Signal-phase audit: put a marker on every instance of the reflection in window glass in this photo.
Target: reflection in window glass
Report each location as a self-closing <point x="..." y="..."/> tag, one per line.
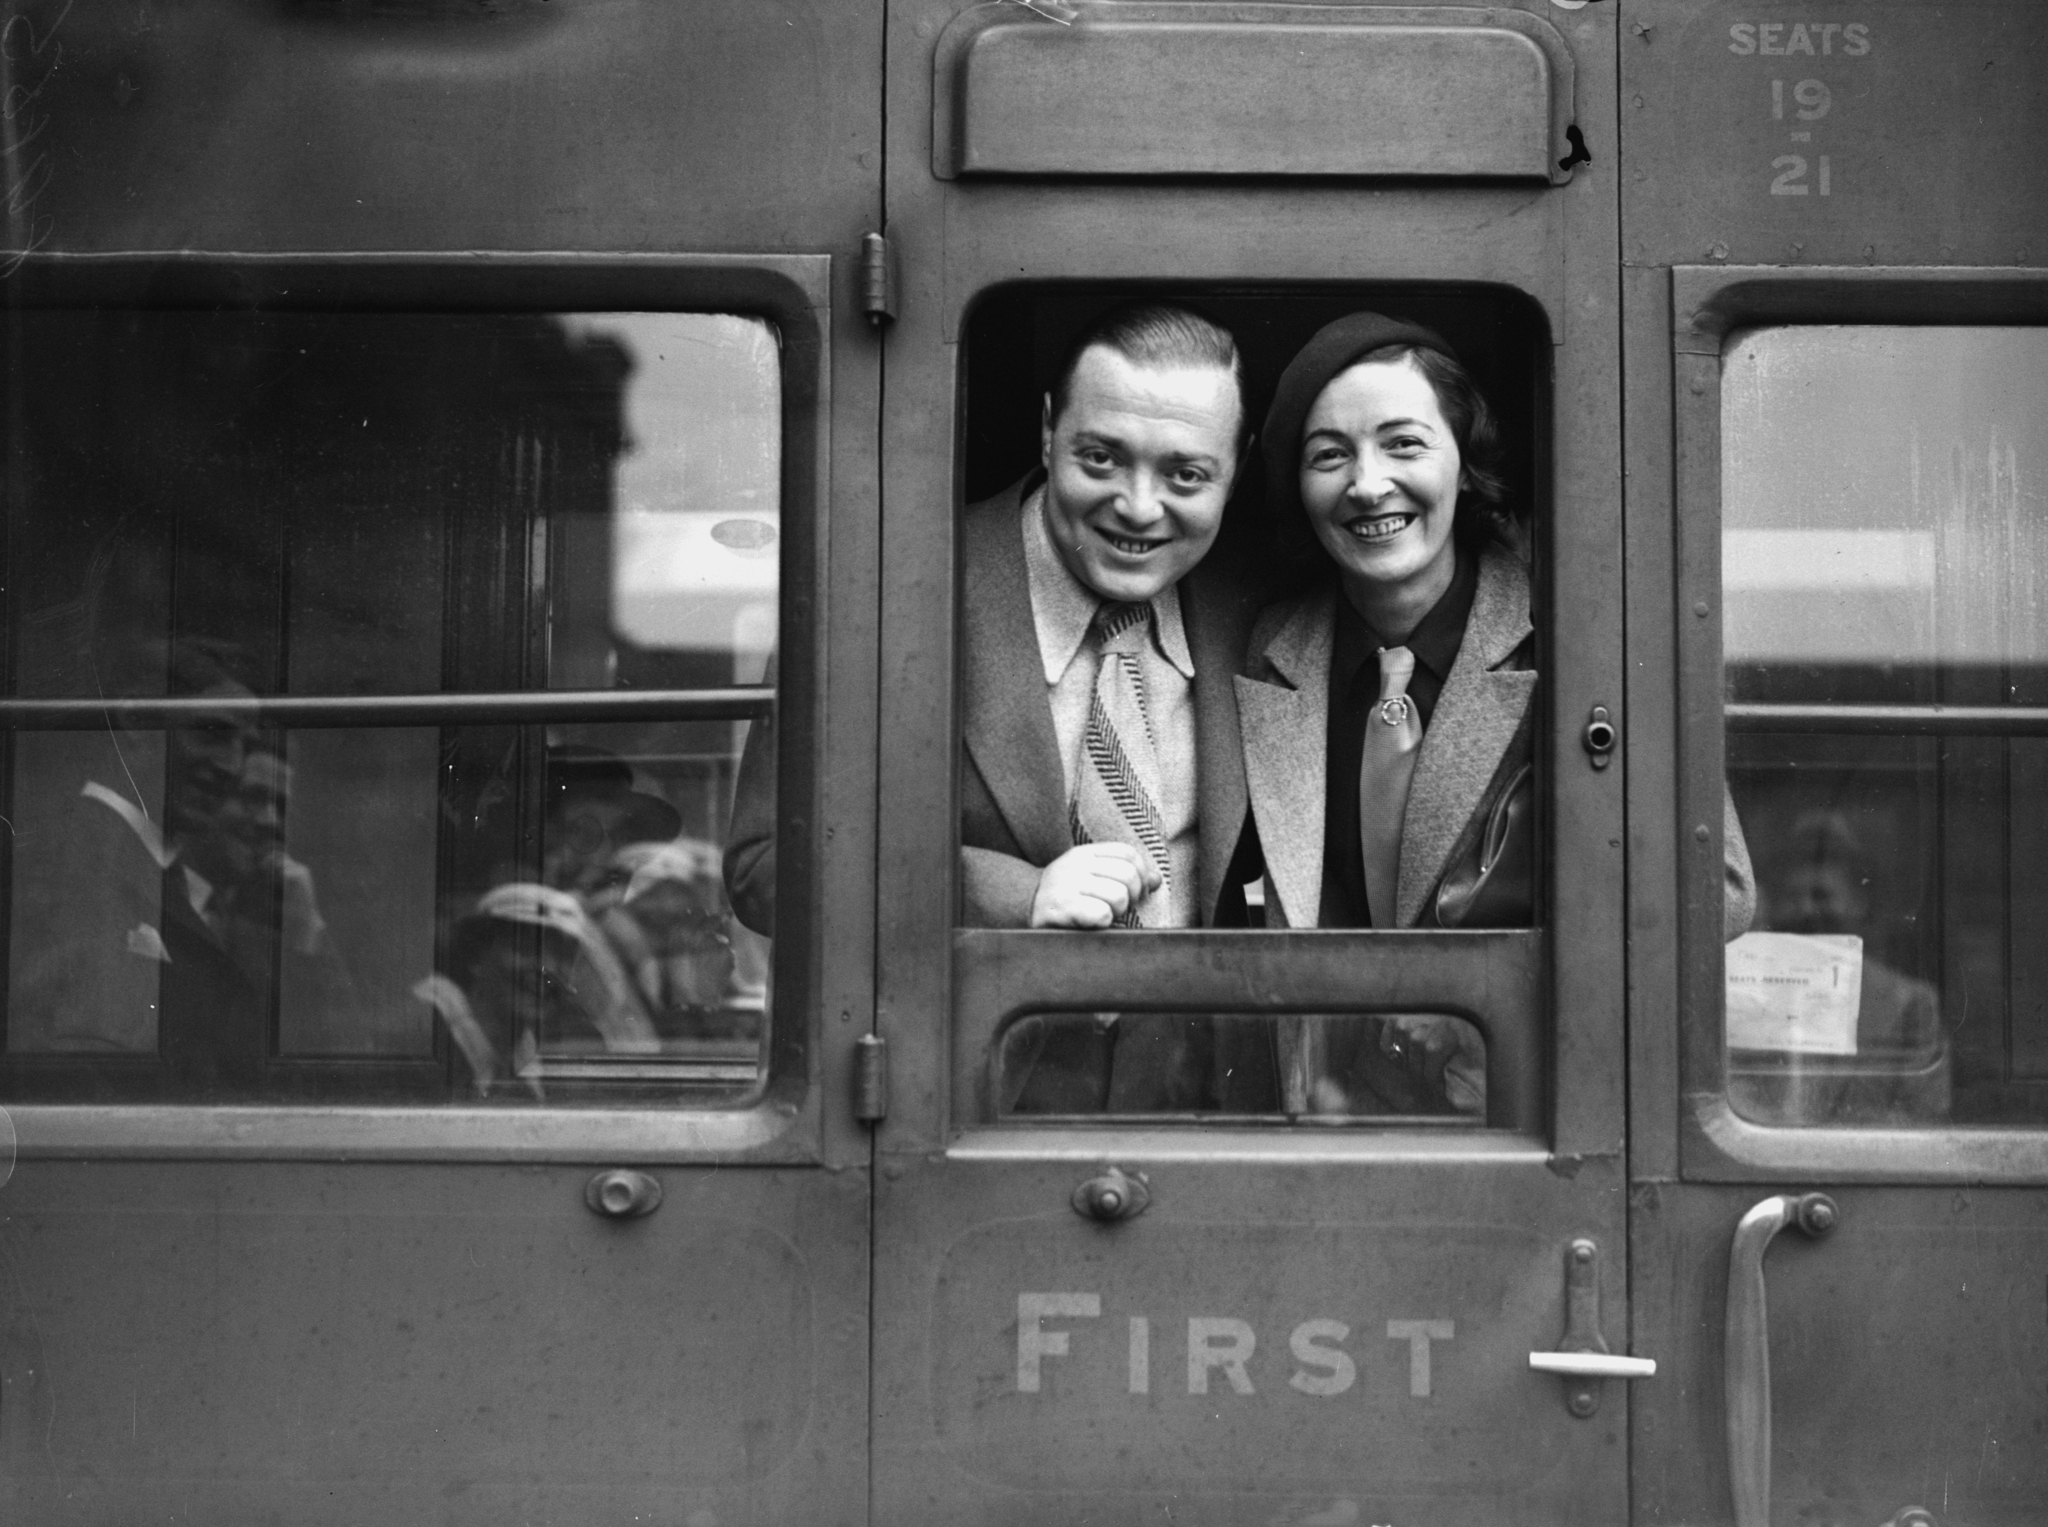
<point x="1331" y="1068"/>
<point x="1885" y="543"/>
<point x="220" y="506"/>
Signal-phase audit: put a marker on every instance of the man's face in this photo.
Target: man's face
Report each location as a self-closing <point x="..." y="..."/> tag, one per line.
<point x="583" y="830"/>
<point x="202" y="809"/>
<point x="1818" y="898"/>
<point x="261" y="802"/>
<point x="1138" y="468"/>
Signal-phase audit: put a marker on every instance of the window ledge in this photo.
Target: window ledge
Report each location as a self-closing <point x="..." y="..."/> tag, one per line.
<point x="772" y="1132"/>
<point x="1724" y="1147"/>
<point x="1307" y="1144"/>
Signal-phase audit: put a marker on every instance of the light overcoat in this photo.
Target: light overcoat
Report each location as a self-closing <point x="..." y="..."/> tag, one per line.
<point x="1284" y="699"/>
<point x="1284" y="702"/>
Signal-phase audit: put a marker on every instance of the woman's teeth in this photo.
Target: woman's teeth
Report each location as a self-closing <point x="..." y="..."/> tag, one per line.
<point x="1133" y="548"/>
<point x="1381" y="528"/>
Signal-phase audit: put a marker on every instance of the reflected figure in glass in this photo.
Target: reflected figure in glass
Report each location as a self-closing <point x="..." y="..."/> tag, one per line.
<point x="167" y="933"/>
<point x="1819" y="882"/>
<point x="1821" y="1028"/>
<point x="622" y="949"/>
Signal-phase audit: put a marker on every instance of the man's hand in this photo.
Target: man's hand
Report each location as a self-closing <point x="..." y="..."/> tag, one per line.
<point x="304" y="928"/>
<point x="1091" y="886"/>
<point x="1444" y="1059"/>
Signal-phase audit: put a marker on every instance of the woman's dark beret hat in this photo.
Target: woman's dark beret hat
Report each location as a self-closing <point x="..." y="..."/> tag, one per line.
<point x="1334" y="350"/>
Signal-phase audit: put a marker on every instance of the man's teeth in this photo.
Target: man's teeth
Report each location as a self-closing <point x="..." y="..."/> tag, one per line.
<point x="1382" y="528"/>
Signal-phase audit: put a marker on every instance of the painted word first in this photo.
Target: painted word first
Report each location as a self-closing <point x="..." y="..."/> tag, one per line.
<point x="1219" y="1348"/>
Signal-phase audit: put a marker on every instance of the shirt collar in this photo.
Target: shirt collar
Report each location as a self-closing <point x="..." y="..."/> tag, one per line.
<point x="1435" y="642"/>
<point x="137" y="819"/>
<point x="1063" y="608"/>
<point x="199" y="890"/>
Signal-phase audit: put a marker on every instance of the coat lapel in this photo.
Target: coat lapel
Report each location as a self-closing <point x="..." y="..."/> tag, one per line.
<point x="1475" y="720"/>
<point x="1283" y="709"/>
<point x="1006" y="721"/>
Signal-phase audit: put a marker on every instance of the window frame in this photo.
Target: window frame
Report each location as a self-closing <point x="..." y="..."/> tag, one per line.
<point x="1709" y="304"/>
<point x="779" y="1121"/>
<point x="997" y="976"/>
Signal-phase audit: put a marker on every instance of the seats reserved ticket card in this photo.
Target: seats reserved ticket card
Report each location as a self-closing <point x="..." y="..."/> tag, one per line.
<point x="1795" y="992"/>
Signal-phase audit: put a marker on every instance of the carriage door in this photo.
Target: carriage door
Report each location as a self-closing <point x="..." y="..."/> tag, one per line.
<point x="1316" y="1299"/>
<point x="405" y="616"/>
<point x="1838" y="379"/>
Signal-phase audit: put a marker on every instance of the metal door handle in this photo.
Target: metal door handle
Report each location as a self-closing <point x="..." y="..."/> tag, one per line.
<point x="1746" y="1346"/>
<point x="1582" y="1357"/>
<point x="1594" y="1365"/>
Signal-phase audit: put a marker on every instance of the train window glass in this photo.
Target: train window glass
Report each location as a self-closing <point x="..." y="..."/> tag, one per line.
<point x="460" y="868"/>
<point x="1055" y="768"/>
<point x="1885" y="577"/>
<point x="1333" y="1068"/>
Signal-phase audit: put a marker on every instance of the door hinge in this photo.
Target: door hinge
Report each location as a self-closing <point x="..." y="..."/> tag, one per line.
<point x="870" y="1078"/>
<point x="877" y="279"/>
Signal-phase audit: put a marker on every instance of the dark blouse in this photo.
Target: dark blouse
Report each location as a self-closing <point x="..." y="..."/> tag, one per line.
<point x="1354" y="689"/>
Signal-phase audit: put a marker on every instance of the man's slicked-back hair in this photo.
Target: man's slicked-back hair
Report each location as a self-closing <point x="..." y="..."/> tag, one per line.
<point x="1161" y="335"/>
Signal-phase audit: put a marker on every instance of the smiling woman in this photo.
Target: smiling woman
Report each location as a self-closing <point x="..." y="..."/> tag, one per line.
<point x="1394" y="705"/>
<point x="1381" y="472"/>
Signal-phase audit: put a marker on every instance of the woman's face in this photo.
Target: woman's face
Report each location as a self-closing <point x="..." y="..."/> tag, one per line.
<point x="1380" y="474"/>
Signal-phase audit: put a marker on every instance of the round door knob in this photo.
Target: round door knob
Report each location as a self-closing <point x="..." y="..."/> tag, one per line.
<point x="622" y="1194"/>
<point x="1113" y="1196"/>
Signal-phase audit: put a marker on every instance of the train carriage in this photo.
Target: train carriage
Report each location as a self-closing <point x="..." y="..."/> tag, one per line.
<point x="454" y="445"/>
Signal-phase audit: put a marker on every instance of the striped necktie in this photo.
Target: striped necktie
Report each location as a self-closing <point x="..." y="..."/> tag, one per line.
<point x="1393" y="734"/>
<point x="1117" y="786"/>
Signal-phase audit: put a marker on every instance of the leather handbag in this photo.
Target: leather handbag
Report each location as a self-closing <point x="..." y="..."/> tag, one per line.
<point x="1491" y="879"/>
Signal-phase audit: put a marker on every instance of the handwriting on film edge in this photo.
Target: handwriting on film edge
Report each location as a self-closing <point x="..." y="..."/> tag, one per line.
<point x="21" y="127"/>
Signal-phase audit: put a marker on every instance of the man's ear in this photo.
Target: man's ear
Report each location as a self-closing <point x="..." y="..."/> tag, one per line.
<point x="1045" y="434"/>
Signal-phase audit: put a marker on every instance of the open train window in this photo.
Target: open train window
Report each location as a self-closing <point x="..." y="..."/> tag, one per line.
<point x="1884" y="566"/>
<point x="378" y="682"/>
<point x="1335" y="1038"/>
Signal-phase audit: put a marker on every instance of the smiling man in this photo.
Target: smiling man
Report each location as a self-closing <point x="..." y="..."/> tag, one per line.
<point x="1102" y="784"/>
<point x="1102" y="781"/>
